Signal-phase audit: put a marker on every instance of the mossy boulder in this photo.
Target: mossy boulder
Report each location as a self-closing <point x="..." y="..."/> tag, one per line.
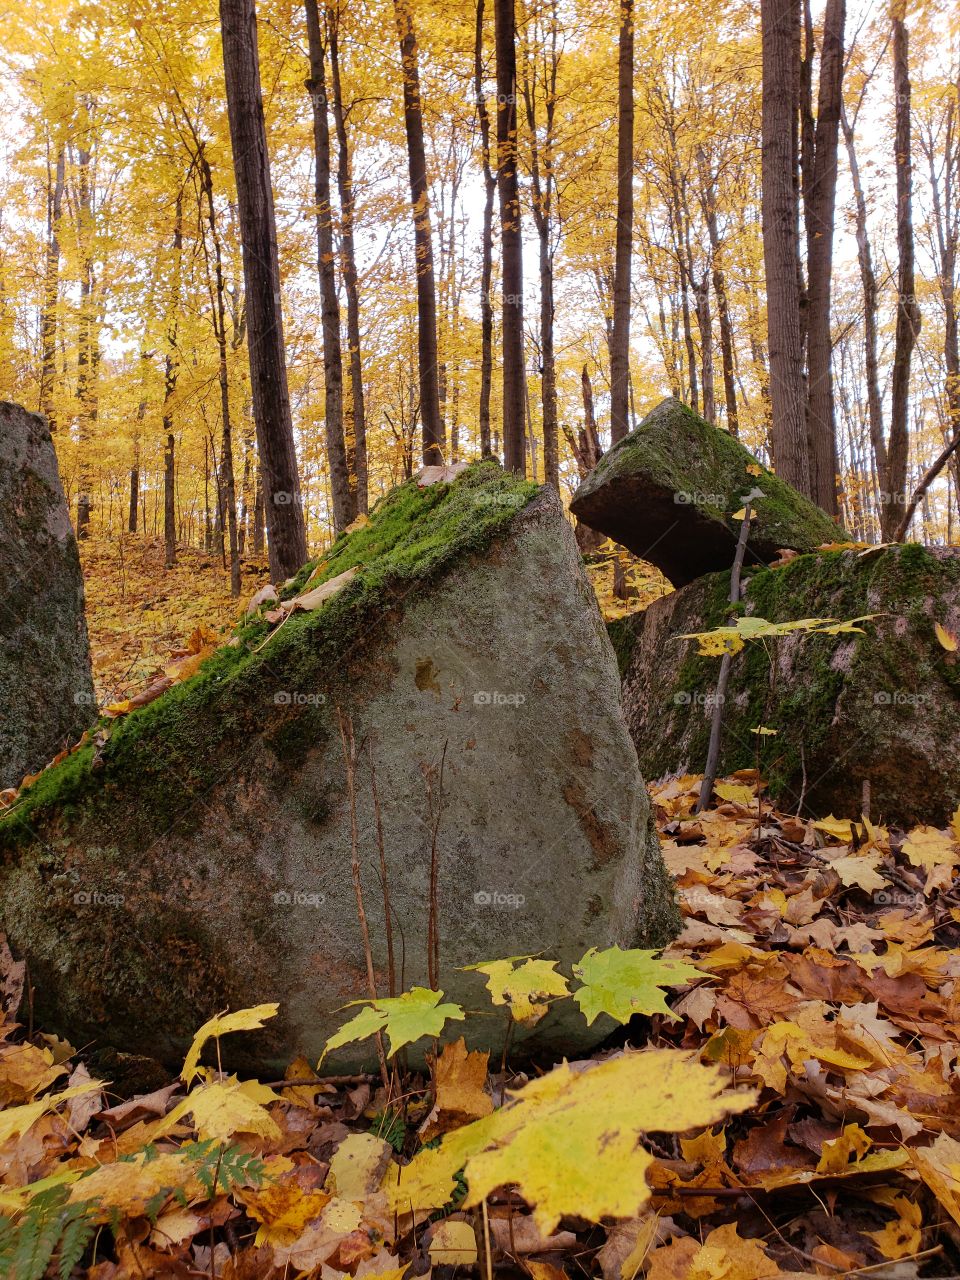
<point x="670" y="490"/>
<point x="202" y="858"/>
<point x="46" y="689"/>
<point x="881" y="707"/>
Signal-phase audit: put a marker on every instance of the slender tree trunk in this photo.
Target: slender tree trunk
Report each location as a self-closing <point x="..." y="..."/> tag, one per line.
<point x="87" y="337"/>
<point x="720" y="292"/>
<point x="356" y="415"/>
<point x="258" y="237"/>
<point x="514" y="454"/>
<point x="868" y="281"/>
<point x="434" y="445"/>
<point x="620" y="340"/>
<point x="780" y="23"/>
<point x="821" y="206"/>
<point x="51" y="290"/>
<point x="228" y="488"/>
<point x="343" y="494"/>
<point x="169" y="505"/>
<point x="705" y="326"/>
<point x="908" y="313"/>
<point x="486" y="243"/>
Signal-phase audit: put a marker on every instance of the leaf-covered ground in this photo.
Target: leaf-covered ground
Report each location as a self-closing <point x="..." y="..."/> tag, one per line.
<point x="794" y="1112"/>
<point x="138" y="612"/>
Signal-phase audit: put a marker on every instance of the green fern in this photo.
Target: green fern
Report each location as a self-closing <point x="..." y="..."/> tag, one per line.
<point x="49" y="1224"/>
<point x="52" y="1226"/>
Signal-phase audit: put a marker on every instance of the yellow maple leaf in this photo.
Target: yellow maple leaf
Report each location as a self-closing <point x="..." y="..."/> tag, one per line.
<point x="223" y="1108"/>
<point x="947" y="639"/>
<point x="454" y="1243"/>
<point x="900" y="1238"/>
<point x="569" y="1140"/>
<point x="524" y="984"/>
<point x="859" y="870"/>
<point x="735" y="792"/>
<point x="242" y="1020"/>
<point x="283" y="1210"/>
<point x="929" y="847"/>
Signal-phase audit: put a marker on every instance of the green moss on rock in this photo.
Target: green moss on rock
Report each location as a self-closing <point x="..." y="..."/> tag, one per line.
<point x="670" y="490"/>
<point x="882" y="706"/>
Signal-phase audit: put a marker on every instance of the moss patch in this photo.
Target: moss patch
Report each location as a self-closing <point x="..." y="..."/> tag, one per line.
<point x="846" y="708"/>
<point x="173" y="747"/>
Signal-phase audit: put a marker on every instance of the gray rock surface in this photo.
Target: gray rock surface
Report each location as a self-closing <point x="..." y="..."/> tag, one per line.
<point x="207" y="862"/>
<point x="881" y="707"/>
<point x="670" y="490"/>
<point x="46" y="690"/>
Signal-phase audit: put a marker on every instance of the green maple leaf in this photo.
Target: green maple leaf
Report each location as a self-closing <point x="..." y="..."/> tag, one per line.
<point x="622" y="983"/>
<point x="405" y="1018"/>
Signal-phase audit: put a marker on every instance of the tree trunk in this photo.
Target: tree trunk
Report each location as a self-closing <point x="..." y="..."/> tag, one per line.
<point x="620" y="339"/>
<point x="868" y="281"/>
<point x="434" y="445"/>
<point x="356" y="415"/>
<point x="258" y="236"/>
<point x="908" y="313"/>
<point x="88" y="344"/>
<point x="709" y="200"/>
<point x="227" y="486"/>
<point x="51" y="289"/>
<point x="820" y="207"/>
<point x="514" y="454"/>
<point x="169" y="505"/>
<point x="342" y="493"/>
<point x="486" y="244"/>
<point x="780" y="24"/>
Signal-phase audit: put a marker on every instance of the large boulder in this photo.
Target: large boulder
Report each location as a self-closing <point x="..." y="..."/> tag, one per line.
<point x="670" y="490"/>
<point x="46" y="689"/>
<point x="201" y="859"/>
<point x="881" y="707"/>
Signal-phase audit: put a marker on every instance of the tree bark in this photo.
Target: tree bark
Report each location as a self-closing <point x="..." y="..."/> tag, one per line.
<point x="434" y="445"/>
<point x="514" y="454"/>
<point x="623" y="253"/>
<point x="169" y="505"/>
<point x="908" y="313"/>
<point x="486" y="243"/>
<point x="868" y="282"/>
<point x="258" y="236"/>
<point x="355" y="416"/>
<point x="227" y="487"/>
<point x="51" y="289"/>
<point x="780" y="25"/>
<point x="820" y="208"/>
<point x="342" y="493"/>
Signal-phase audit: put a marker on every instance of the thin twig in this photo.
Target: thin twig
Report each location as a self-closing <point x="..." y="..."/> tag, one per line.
<point x="387" y="921"/>
<point x="716" y="726"/>
<point x="350" y="761"/>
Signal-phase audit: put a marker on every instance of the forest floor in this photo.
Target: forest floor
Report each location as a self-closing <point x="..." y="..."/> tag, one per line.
<point x="808" y="1015"/>
<point x="138" y="612"/>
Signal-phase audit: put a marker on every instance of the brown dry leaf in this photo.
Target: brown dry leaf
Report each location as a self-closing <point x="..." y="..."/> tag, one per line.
<point x="939" y="1167"/>
<point x="518" y="1234"/>
<point x="440" y="474"/>
<point x="460" y="1077"/>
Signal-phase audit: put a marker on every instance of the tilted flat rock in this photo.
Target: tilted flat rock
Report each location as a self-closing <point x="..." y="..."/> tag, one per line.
<point x="669" y="492"/>
<point x="206" y="862"/>
<point x="882" y="707"/>
<point x="46" y="690"/>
